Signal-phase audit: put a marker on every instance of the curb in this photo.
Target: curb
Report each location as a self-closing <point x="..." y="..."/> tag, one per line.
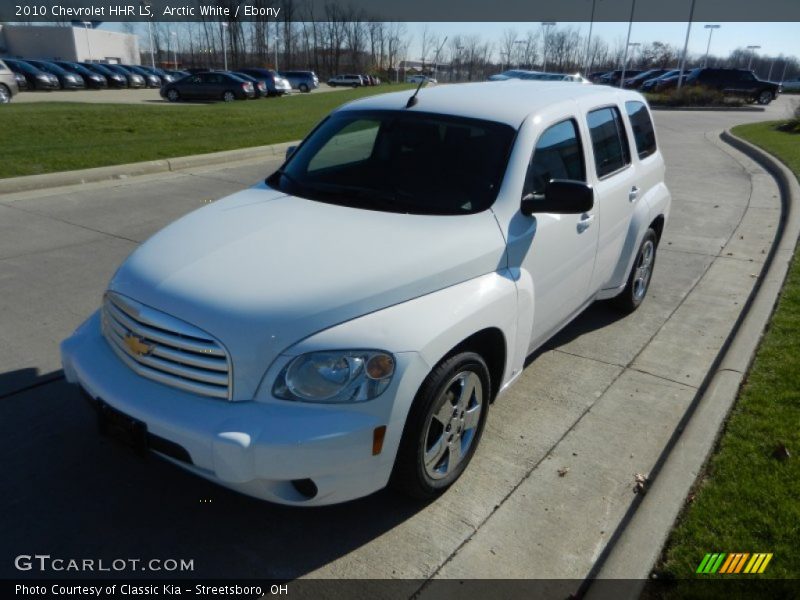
<point x="63" y="178"/>
<point x="638" y="543"/>
<point x="710" y="108"/>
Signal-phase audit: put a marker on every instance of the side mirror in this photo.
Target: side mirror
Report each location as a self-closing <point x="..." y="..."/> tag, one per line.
<point x="289" y="151"/>
<point x="561" y="196"/>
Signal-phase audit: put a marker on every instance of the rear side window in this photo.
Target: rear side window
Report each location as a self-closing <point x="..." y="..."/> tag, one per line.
<point x="558" y="155"/>
<point x="611" y="152"/>
<point x="643" y="132"/>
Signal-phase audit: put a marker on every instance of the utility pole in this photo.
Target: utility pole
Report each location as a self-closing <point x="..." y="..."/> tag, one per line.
<point x="752" y="54"/>
<point x="685" y="47"/>
<point x="224" y="45"/>
<point x="627" y="44"/>
<point x="436" y="56"/>
<point x="587" y="62"/>
<point x="146" y="3"/>
<point x="175" y="49"/>
<point x="711" y="29"/>
<point x="86" y="25"/>
<point x="546" y="25"/>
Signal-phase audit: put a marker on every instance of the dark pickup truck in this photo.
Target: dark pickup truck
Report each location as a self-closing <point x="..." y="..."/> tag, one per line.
<point x="735" y="82"/>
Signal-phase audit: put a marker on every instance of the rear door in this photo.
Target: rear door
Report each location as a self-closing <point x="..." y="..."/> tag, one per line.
<point x="616" y="188"/>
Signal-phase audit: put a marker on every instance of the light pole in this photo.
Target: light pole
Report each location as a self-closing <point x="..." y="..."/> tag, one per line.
<point x="685" y="47"/>
<point x="627" y="44"/>
<point x="175" y="49"/>
<point x="752" y="54"/>
<point x="545" y="25"/>
<point x="771" y="65"/>
<point x="633" y="45"/>
<point x="436" y="56"/>
<point x="519" y="55"/>
<point x="146" y="3"/>
<point x="785" y="66"/>
<point x="711" y="29"/>
<point x="587" y="62"/>
<point x="86" y="25"/>
<point x="458" y="72"/>
<point x="224" y="46"/>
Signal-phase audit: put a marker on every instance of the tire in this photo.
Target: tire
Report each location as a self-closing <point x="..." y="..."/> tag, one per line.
<point x="173" y="95"/>
<point x="304" y="88"/>
<point x="445" y="424"/>
<point x="228" y="96"/>
<point x="640" y="276"/>
<point x="765" y="97"/>
<point x="5" y="94"/>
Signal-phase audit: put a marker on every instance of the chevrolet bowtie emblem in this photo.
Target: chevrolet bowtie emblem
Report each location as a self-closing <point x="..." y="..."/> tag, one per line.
<point x="137" y="345"/>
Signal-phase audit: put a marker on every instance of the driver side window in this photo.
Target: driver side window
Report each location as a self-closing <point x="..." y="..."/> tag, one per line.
<point x="558" y="155"/>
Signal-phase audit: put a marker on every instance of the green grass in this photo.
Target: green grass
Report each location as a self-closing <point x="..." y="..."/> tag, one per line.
<point x="746" y="500"/>
<point x="61" y="136"/>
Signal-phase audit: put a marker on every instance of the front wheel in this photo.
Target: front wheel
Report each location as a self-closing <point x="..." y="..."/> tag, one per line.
<point x="765" y="97"/>
<point x="443" y="427"/>
<point x="228" y="96"/>
<point x="641" y="272"/>
<point x="173" y="95"/>
<point x="5" y="95"/>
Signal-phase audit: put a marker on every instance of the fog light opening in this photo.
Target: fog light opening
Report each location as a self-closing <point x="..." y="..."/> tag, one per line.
<point x="305" y="487"/>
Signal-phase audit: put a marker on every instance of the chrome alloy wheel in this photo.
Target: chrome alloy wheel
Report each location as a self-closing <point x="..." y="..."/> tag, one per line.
<point x="644" y="269"/>
<point x="453" y="423"/>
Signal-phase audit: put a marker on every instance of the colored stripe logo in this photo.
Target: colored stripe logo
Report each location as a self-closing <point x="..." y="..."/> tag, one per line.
<point x="734" y="562"/>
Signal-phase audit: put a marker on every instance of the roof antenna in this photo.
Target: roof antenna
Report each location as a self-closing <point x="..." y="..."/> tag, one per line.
<point x="413" y="100"/>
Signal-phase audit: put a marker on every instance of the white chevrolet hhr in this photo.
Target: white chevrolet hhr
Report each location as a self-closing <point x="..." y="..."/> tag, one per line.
<point x="347" y="323"/>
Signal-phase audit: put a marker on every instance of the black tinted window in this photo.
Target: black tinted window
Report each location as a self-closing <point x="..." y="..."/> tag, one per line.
<point x="610" y="145"/>
<point x="558" y="155"/>
<point x="643" y="132"/>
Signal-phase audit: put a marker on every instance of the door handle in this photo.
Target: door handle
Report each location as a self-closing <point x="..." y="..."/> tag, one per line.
<point x="585" y="222"/>
<point x="633" y="194"/>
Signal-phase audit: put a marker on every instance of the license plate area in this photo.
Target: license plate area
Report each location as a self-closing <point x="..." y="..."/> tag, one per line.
<point x="122" y="428"/>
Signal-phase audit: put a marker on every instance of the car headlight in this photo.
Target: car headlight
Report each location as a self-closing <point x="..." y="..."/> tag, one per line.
<point x="335" y="376"/>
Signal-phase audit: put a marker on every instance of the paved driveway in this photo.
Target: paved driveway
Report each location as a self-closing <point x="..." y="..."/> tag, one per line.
<point x="555" y="471"/>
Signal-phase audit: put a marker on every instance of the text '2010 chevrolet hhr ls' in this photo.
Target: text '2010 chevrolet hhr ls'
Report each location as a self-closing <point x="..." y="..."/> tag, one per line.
<point x="346" y="324"/>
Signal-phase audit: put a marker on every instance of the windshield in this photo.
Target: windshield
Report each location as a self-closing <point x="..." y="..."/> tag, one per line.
<point x="400" y="162"/>
<point x="50" y="67"/>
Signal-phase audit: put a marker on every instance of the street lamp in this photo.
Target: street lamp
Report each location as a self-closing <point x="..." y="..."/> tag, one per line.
<point x="587" y="62"/>
<point x="545" y="25"/>
<point x="458" y="71"/>
<point x="86" y="25"/>
<point x="146" y="3"/>
<point x="711" y="29"/>
<point x="172" y="34"/>
<point x="685" y="46"/>
<point x="752" y="54"/>
<point x="627" y="45"/>
<point x="436" y="56"/>
<point x="224" y="47"/>
<point x="519" y="55"/>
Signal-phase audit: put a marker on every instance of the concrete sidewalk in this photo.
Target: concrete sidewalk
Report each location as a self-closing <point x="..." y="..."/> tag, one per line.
<point x="554" y="476"/>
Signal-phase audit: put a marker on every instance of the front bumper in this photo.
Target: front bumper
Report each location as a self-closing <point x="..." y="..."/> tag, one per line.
<point x="257" y="448"/>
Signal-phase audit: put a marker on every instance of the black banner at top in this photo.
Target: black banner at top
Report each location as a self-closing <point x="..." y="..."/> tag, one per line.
<point x="401" y="10"/>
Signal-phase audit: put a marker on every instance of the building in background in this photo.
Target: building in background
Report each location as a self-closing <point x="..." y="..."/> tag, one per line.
<point x="76" y="43"/>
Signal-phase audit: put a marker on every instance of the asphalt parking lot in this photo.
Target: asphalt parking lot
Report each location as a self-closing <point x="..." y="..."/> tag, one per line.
<point x="556" y="469"/>
<point x="127" y="96"/>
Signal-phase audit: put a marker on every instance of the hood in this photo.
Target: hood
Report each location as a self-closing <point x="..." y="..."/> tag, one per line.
<point x="261" y="270"/>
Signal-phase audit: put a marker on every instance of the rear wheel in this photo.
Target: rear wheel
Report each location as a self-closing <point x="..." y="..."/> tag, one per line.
<point x="228" y="96"/>
<point x="173" y="95"/>
<point x="765" y="97"/>
<point x="641" y="272"/>
<point x="5" y="94"/>
<point x="443" y="427"/>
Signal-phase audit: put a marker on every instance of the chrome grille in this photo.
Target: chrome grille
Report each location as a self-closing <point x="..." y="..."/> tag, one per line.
<point x="166" y="349"/>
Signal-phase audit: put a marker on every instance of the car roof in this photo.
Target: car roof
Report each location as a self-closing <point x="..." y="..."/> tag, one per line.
<point x="509" y="101"/>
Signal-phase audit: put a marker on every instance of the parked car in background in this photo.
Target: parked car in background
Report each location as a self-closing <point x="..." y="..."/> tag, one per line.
<point x="305" y="81"/>
<point x="36" y="78"/>
<point x="213" y="85"/>
<point x="613" y="77"/>
<point x="649" y="85"/>
<point x="791" y="85"/>
<point x="22" y="83"/>
<point x="163" y="75"/>
<point x="177" y="73"/>
<point x="276" y="85"/>
<point x="8" y="84"/>
<point x="114" y="78"/>
<point x="151" y="80"/>
<point x="469" y="229"/>
<point x="420" y="78"/>
<point x="67" y="80"/>
<point x="92" y="79"/>
<point x="346" y="80"/>
<point x="538" y="76"/>
<point x="259" y="85"/>
<point x="635" y="82"/>
<point x="135" y="80"/>
<point x="510" y="74"/>
<point x="742" y="83"/>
